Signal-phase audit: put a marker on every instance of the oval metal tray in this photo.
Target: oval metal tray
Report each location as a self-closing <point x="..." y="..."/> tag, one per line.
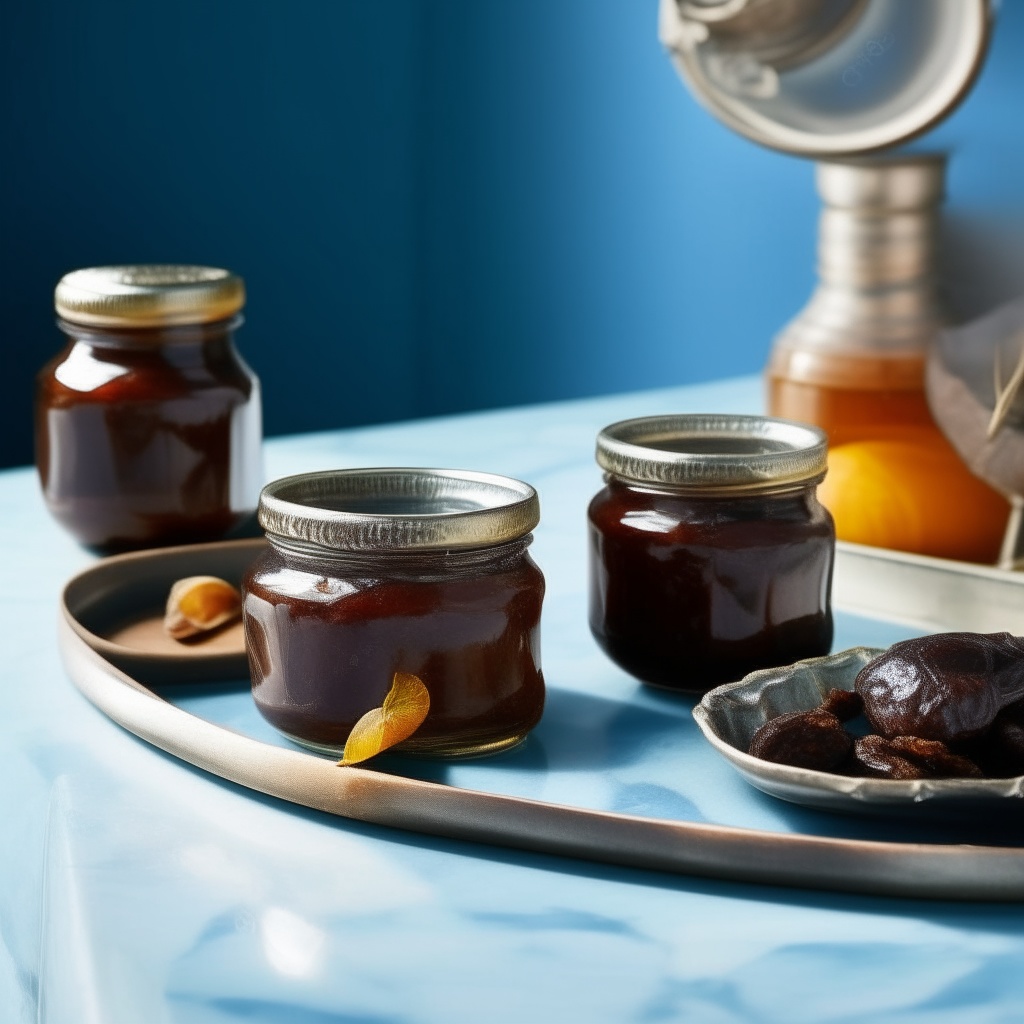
<point x="938" y="871"/>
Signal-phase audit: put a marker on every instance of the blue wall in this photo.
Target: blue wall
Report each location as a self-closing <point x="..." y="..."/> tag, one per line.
<point x="438" y="205"/>
<point x="590" y="228"/>
<point x="276" y="139"/>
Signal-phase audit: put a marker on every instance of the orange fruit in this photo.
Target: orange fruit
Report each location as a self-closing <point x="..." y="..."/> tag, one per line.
<point x="913" y="495"/>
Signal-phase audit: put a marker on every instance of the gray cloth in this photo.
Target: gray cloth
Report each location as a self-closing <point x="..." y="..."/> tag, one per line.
<point x="960" y="381"/>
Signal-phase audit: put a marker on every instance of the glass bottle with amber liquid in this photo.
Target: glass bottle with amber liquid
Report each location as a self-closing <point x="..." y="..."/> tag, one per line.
<point x="852" y="362"/>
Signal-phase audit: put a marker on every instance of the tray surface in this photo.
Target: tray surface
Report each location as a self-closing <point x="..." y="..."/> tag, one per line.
<point x="147" y="634"/>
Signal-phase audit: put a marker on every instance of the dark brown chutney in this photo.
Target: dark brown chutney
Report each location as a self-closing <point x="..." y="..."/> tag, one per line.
<point x="690" y="589"/>
<point x="327" y="630"/>
<point x="147" y="436"/>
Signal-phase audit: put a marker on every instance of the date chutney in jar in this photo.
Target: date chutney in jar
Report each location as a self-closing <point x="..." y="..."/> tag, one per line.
<point x="148" y="423"/>
<point x="371" y="572"/>
<point x="710" y="555"/>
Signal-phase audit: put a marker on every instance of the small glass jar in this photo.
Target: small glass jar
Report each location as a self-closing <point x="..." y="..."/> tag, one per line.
<point x="710" y="555"/>
<point x="149" y="423"/>
<point x="376" y="571"/>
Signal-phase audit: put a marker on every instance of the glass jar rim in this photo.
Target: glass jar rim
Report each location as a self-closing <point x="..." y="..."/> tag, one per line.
<point x="713" y="451"/>
<point x="150" y="336"/>
<point x="391" y="509"/>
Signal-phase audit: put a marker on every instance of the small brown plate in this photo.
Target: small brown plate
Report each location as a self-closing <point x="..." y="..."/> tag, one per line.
<point x="117" y="608"/>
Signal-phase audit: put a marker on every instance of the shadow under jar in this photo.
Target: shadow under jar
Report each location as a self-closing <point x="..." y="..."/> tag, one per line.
<point x="376" y="571"/>
<point x="148" y="423"/>
<point x="710" y="555"/>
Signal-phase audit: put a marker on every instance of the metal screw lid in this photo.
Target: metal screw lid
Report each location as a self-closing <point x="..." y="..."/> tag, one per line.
<point x="709" y="451"/>
<point x="148" y="295"/>
<point x="398" y="509"/>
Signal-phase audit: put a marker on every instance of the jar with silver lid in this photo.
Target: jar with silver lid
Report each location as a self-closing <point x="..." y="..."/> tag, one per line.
<point x="373" y="572"/>
<point x="710" y="555"/>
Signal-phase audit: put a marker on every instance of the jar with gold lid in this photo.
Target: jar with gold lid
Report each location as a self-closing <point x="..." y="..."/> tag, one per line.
<point x="148" y="422"/>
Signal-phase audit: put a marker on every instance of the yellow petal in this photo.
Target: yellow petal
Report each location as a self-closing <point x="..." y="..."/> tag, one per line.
<point x="405" y="707"/>
<point x="366" y="738"/>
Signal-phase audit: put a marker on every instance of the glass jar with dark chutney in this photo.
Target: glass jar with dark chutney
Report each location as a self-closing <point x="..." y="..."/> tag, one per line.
<point x="149" y="423"/>
<point x="710" y="555"/>
<point x="372" y="572"/>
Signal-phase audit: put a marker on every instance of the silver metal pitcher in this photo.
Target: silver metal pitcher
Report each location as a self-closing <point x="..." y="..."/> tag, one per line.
<point x="827" y="77"/>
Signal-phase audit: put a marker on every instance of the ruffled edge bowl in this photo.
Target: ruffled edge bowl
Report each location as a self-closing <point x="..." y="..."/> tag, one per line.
<point x="729" y="715"/>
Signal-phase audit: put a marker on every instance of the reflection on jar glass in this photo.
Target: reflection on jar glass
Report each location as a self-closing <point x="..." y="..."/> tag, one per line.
<point x="378" y="571"/>
<point x="710" y="555"/>
<point x="148" y="423"/>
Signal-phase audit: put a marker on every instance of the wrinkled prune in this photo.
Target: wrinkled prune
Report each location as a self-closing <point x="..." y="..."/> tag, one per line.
<point x="844" y="704"/>
<point x="935" y="757"/>
<point x="910" y="757"/>
<point x="805" y="739"/>
<point x="875" y="756"/>
<point x="947" y="687"/>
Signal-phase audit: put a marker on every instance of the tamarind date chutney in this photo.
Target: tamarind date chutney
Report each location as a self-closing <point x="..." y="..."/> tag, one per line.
<point x="148" y="423"/>
<point x="709" y="553"/>
<point x="329" y="622"/>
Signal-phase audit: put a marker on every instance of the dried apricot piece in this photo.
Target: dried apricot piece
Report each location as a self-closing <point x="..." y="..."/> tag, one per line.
<point x="198" y="604"/>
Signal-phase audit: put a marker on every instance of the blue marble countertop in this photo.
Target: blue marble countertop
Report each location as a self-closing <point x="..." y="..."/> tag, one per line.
<point x="138" y="889"/>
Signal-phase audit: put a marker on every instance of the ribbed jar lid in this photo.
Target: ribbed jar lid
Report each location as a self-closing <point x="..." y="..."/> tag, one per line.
<point x="711" y="451"/>
<point x="398" y="509"/>
<point x="148" y="295"/>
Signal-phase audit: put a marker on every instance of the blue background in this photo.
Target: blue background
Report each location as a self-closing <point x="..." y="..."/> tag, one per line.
<point x="438" y="205"/>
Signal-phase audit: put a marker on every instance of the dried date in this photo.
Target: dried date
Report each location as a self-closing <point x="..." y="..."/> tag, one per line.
<point x="936" y="758"/>
<point x="948" y="687"/>
<point x="804" y="739"/>
<point x="909" y="757"/>
<point x="875" y="757"/>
